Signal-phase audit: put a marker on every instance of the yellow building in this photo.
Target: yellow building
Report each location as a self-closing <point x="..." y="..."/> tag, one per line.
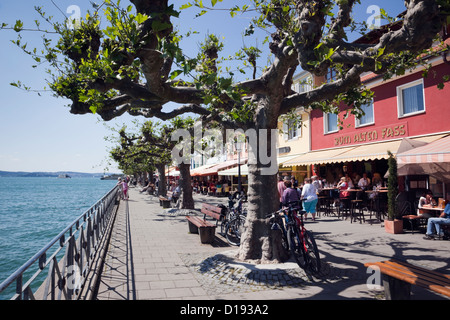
<point x="294" y="137"/>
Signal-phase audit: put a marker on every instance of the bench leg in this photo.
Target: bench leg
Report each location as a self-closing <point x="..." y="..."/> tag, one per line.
<point x="207" y="234"/>
<point x="192" y="227"/>
<point x="396" y="289"/>
<point x="166" y="204"/>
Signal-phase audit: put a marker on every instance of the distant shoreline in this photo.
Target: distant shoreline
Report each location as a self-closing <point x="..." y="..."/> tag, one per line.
<point x="38" y="174"/>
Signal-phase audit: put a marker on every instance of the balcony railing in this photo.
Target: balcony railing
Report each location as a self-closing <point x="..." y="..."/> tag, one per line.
<point x="69" y="258"/>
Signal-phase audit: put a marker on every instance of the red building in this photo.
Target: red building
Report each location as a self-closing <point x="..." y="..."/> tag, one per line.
<point x="406" y="112"/>
<point x="392" y="115"/>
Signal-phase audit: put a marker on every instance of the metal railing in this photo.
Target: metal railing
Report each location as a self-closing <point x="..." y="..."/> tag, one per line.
<point x="81" y="240"/>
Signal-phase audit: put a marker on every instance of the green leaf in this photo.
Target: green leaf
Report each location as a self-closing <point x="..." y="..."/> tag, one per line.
<point x="175" y="74"/>
<point x="140" y="18"/>
<point x="185" y="6"/>
<point x="380" y="52"/>
<point x="93" y="109"/>
<point x="18" y="26"/>
<point x="378" y="65"/>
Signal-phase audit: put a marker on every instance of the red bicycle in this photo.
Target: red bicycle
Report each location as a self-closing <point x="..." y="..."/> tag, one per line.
<point x="296" y="239"/>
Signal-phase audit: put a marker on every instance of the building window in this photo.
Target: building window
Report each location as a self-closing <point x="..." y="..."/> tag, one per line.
<point x="330" y="122"/>
<point x="368" y="117"/>
<point x="292" y="129"/>
<point x="410" y="98"/>
<point x="303" y="84"/>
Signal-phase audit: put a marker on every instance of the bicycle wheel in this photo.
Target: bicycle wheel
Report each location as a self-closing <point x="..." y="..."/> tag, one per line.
<point x="311" y="251"/>
<point x="296" y="247"/>
<point x="234" y="230"/>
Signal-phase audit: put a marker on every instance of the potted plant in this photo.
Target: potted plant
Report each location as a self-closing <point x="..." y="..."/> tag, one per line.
<point x="394" y="223"/>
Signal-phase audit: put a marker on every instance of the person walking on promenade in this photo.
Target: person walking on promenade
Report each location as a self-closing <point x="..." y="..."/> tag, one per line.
<point x="309" y="192"/>
<point x="123" y="185"/>
<point x="290" y="193"/>
<point x="435" y="223"/>
<point x="281" y="188"/>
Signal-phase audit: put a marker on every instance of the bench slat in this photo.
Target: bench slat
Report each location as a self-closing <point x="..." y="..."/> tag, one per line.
<point x="420" y="271"/>
<point x="211" y="210"/>
<point x="415" y="275"/>
<point x="200" y="223"/>
<point x="415" y="271"/>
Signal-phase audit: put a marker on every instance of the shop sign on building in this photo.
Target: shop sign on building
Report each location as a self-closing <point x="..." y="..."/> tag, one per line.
<point x="399" y="130"/>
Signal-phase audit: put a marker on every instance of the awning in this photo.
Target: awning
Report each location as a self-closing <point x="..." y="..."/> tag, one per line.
<point x="172" y="172"/>
<point x="372" y="151"/>
<point x="199" y="170"/>
<point x="217" y="167"/>
<point x="316" y="157"/>
<point x="283" y="159"/>
<point x="234" y="171"/>
<point x="432" y="159"/>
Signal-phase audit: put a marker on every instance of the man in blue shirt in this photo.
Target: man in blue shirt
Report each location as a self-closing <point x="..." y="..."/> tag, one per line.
<point x="435" y="223"/>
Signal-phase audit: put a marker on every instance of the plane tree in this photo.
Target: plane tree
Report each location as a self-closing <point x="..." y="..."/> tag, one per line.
<point x="152" y="148"/>
<point x="136" y="65"/>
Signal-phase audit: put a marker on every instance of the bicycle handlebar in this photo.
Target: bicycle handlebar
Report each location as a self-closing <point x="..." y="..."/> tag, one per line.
<point x="272" y="214"/>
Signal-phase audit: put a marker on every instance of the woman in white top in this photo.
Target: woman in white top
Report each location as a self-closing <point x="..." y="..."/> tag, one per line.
<point x="309" y="192"/>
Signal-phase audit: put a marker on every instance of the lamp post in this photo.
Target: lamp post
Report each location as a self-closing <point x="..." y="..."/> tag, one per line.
<point x="238" y="146"/>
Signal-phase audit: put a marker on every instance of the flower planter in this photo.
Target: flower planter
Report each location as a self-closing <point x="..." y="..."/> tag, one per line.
<point x="394" y="227"/>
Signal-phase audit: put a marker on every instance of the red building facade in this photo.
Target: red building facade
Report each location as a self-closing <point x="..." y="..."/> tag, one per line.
<point x="390" y="121"/>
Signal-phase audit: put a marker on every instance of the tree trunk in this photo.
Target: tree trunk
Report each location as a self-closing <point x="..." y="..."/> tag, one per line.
<point x="162" y="188"/>
<point x="259" y="243"/>
<point x="186" y="199"/>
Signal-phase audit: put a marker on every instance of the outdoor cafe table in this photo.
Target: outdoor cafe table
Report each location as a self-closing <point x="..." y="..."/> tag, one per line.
<point x="377" y="201"/>
<point x="435" y="211"/>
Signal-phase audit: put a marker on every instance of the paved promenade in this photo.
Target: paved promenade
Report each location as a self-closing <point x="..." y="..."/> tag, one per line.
<point x="153" y="256"/>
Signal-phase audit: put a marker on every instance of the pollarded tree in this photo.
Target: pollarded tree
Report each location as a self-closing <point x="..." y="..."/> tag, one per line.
<point x="135" y="156"/>
<point x="136" y="65"/>
<point x="152" y="147"/>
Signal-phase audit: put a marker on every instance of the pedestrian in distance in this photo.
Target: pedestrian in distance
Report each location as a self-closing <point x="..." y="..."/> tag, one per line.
<point x="309" y="194"/>
<point x="123" y="185"/>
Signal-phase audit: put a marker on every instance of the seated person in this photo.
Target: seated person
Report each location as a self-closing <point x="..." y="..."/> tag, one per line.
<point x="364" y="182"/>
<point x="342" y="186"/>
<point x="425" y="199"/>
<point x="435" y="223"/>
<point x="147" y="186"/>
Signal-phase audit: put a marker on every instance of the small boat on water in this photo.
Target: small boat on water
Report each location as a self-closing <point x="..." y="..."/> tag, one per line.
<point x="64" y="176"/>
<point x="111" y="177"/>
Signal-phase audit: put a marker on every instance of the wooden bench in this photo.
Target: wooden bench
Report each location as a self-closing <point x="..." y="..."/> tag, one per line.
<point x="165" y="202"/>
<point x="399" y="276"/>
<point x="205" y="228"/>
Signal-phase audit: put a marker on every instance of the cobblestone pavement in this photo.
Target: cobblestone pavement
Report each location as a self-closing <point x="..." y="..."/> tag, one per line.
<point x="153" y="256"/>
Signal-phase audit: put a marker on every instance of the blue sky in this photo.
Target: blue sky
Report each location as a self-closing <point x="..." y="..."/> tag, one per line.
<point x="37" y="133"/>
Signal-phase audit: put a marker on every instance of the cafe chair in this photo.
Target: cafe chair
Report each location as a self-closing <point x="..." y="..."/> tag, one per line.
<point x="356" y="211"/>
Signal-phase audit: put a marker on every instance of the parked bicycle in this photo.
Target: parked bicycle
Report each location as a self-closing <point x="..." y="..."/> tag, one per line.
<point x="295" y="238"/>
<point x="232" y="225"/>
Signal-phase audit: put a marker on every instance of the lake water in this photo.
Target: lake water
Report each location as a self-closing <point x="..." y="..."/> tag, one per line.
<point x="35" y="210"/>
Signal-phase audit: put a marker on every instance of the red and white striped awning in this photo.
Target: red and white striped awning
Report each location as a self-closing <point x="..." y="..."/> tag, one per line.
<point x="432" y="159"/>
<point x="435" y="152"/>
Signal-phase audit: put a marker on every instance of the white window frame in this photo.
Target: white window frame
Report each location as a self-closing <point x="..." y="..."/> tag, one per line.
<point x="325" y="123"/>
<point x="400" y="89"/>
<point x="358" y="123"/>
<point x="286" y="127"/>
